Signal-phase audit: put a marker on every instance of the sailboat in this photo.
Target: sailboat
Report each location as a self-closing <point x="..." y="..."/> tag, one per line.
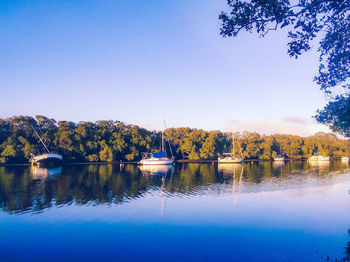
<point x="47" y="159"/>
<point x="279" y="157"/>
<point x="230" y="157"/>
<point x="345" y="159"/>
<point x="158" y="158"/>
<point x="317" y="157"/>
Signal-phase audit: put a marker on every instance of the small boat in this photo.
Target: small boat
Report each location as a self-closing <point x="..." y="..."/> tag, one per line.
<point x="279" y="158"/>
<point x="319" y="158"/>
<point x="48" y="159"/>
<point x="345" y="159"/>
<point x="231" y="157"/>
<point x="158" y="158"/>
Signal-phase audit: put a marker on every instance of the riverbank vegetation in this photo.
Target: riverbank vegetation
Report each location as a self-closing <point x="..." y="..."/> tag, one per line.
<point x="115" y="141"/>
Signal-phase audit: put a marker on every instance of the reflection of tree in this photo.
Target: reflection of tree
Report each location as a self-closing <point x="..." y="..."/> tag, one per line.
<point x="346" y="252"/>
<point x="99" y="184"/>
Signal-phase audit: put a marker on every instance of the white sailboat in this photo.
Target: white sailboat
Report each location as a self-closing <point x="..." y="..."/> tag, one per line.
<point x="279" y="157"/>
<point x="345" y="159"/>
<point x="319" y="158"/>
<point x="230" y="157"/>
<point x="158" y="158"/>
<point x="47" y="159"/>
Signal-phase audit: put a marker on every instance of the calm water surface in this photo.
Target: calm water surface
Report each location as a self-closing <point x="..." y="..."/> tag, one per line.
<point x="191" y="212"/>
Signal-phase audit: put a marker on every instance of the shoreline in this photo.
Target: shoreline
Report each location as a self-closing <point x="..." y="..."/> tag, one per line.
<point x="182" y="161"/>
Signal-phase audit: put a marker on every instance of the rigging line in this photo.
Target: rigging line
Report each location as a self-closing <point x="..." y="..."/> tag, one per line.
<point x="40" y="139"/>
<point x="171" y="151"/>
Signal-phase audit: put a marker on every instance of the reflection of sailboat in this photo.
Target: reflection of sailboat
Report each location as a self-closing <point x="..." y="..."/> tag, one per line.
<point x="230" y="157"/>
<point x="320" y="164"/>
<point x="278" y="164"/>
<point x="156" y="169"/>
<point x="159" y="158"/>
<point x="162" y="190"/>
<point x="43" y="173"/>
<point x="229" y="169"/>
<point x="233" y="169"/>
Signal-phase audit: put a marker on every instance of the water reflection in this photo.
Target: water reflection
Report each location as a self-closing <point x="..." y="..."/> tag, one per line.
<point x="25" y="189"/>
<point x="236" y="171"/>
<point x="42" y="173"/>
<point x="295" y="211"/>
<point x="160" y="170"/>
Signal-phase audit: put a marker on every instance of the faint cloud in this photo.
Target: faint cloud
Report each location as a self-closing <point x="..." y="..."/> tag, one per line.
<point x="294" y="125"/>
<point x="298" y="120"/>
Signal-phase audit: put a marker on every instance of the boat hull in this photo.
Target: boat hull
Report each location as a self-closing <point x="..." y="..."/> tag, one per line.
<point x="156" y="161"/>
<point x="47" y="160"/>
<point x="319" y="159"/>
<point x="228" y="161"/>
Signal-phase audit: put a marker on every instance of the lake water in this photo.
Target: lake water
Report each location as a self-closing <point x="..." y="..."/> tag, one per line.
<point x="190" y="212"/>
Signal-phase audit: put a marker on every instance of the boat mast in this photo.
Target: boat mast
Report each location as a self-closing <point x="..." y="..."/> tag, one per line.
<point x="162" y="148"/>
<point x="40" y="139"/>
<point x="233" y="145"/>
<point x="171" y="151"/>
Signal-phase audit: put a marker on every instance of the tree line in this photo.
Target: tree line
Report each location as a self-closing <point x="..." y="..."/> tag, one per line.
<point x="115" y="141"/>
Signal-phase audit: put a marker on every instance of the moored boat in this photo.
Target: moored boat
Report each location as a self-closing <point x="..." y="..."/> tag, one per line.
<point x="319" y="158"/>
<point x="231" y="157"/>
<point x="345" y="159"/>
<point x="48" y="159"/>
<point x="158" y="158"/>
<point x="279" y="158"/>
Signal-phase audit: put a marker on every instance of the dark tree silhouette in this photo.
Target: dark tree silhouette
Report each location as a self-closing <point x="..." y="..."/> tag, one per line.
<point x="328" y="20"/>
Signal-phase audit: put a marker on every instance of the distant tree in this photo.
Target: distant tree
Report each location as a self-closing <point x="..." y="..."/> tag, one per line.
<point x="106" y="154"/>
<point x="326" y="20"/>
<point x="113" y="140"/>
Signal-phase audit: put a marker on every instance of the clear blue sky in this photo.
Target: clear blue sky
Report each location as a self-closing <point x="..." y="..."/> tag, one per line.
<point x="136" y="61"/>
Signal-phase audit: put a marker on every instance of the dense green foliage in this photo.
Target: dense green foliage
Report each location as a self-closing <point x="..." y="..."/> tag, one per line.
<point x="336" y="115"/>
<point x="306" y="20"/>
<point x="114" y="141"/>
